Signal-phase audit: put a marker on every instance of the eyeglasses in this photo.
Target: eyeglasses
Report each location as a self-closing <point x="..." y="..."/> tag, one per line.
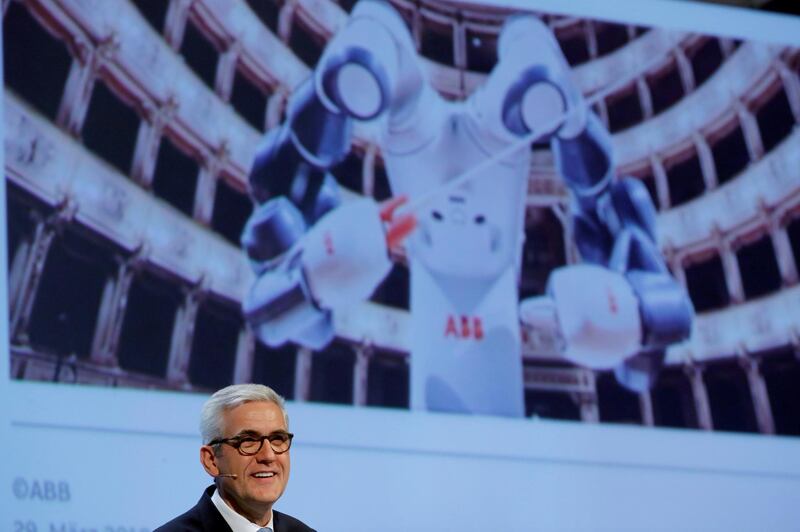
<point x="250" y="445"/>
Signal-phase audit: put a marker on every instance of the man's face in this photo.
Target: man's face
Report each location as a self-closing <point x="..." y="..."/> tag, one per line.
<point x="253" y="492"/>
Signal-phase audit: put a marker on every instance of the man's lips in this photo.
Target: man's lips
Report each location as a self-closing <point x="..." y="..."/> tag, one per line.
<point x="264" y="474"/>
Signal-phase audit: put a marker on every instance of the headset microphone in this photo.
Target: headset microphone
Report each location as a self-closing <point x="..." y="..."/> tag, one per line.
<point x="228" y="475"/>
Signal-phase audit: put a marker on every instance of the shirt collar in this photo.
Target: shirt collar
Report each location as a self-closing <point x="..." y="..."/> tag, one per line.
<point x="235" y="520"/>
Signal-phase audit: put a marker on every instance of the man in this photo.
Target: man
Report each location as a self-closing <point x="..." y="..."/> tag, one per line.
<point x="246" y="449"/>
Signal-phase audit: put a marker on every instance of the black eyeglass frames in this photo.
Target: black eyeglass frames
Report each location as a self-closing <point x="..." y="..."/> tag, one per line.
<point x="250" y="445"/>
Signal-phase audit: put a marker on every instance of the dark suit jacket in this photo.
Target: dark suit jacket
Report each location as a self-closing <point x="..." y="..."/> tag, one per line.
<point x="205" y="517"/>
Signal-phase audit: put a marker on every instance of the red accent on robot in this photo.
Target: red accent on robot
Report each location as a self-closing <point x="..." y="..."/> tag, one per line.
<point x="464" y="328"/>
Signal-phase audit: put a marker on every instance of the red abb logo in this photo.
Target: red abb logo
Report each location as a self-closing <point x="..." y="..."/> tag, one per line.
<point x="464" y="327"/>
<point x="327" y="240"/>
<point x="612" y="302"/>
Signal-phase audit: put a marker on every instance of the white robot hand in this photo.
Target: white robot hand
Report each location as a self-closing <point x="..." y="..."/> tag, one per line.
<point x="339" y="261"/>
<point x="592" y="310"/>
<point x="345" y="255"/>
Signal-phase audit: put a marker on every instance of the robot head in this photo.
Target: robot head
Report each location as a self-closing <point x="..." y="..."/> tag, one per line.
<point x="472" y="232"/>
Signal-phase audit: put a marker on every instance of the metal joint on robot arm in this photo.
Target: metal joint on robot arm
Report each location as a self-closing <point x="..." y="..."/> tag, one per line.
<point x="371" y="65"/>
<point x="321" y="134"/>
<point x="665" y="310"/>
<point x="519" y="107"/>
<point x="585" y="162"/>
<point x="354" y="80"/>
<point x="666" y="315"/>
<point x="279" y="305"/>
<point x="270" y="232"/>
<point x="629" y="216"/>
<point x="610" y="221"/>
<point x="280" y="308"/>
<point x="311" y="140"/>
<point x="530" y="90"/>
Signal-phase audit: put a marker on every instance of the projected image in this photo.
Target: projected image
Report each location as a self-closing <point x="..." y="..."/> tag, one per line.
<point x="423" y="206"/>
<point x="464" y="167"/>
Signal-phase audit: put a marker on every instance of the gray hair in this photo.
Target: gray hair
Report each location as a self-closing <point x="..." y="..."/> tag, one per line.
<point x="230" y="397"/>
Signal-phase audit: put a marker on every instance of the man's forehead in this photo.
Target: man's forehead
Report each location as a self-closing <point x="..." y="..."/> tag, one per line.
<point x="254" y="415"/>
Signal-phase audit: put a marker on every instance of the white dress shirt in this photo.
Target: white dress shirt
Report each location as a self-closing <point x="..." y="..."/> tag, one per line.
<point x="235" y="520"/>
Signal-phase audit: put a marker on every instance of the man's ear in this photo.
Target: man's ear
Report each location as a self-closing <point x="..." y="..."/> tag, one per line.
<point x="209" y="460"/>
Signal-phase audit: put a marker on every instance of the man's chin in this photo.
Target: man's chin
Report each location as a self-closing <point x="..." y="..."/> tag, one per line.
<point x="266" y="494"/>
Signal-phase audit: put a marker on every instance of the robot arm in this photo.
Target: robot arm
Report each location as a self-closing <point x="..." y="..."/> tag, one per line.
<point x="618" y="232"/>
<point x="622" y="308"/>
<point x="624" y="272"/>
<point x="292" y="190"/>
<point x="310" y="253"/>
<point x="339" y="260"/>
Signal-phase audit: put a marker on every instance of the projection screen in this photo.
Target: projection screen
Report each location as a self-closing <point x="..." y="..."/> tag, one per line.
<point x="514" y="265"/>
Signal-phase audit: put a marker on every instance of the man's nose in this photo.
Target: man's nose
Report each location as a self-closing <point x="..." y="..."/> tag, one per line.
<point x="266" y="452"/>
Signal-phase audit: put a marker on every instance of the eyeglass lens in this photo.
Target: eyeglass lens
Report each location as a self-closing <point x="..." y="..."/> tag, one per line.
<point x="279" y="442"/>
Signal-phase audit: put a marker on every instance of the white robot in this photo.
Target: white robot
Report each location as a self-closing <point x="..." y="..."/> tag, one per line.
<point x="462" y="168"/>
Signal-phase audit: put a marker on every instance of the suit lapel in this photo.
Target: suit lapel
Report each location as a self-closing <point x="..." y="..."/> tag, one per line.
<point x="212" y="519"/>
